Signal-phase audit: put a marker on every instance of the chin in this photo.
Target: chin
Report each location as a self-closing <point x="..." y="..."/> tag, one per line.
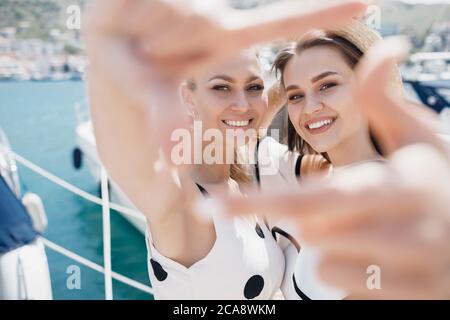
<point x="321" y="147"/>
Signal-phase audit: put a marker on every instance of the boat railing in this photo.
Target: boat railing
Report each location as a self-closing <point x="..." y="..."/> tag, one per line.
<point x="106" y="269"/>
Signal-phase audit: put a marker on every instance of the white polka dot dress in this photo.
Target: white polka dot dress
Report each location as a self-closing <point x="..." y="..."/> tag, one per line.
<point x="251" y="259"/>
<point x="245" y="263"/>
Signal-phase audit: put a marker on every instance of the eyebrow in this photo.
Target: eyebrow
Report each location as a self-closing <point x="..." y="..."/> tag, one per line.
<point x="253" y="78"/>
<point x="222" y="77"/>
<point x="323" y="75"/>
<point x="229" y="79"/>
<point x="313" y="80"/>
<point x="292" y="87"/>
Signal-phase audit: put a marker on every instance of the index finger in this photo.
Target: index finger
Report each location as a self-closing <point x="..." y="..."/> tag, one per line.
<point x="285" y="20"/>
<point x="351" y="193"/>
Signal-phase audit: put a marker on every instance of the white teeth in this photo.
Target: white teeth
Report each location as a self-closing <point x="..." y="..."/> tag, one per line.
<point x="320" y="124"/>
<point x="237" y="123"/>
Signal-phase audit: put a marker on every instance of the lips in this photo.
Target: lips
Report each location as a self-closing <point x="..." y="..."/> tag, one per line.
<point x="319" y="125"/>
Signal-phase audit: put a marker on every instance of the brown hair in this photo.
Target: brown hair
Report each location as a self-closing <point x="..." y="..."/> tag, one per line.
<point x="349" y="51"/>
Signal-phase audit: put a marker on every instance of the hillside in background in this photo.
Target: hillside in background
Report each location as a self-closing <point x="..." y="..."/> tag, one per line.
<point x="35" y="17"/>
<point x="44" y="15"/>
<point x="414" y="19"/>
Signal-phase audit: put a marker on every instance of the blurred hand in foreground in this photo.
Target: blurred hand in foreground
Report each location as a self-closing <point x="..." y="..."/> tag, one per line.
<point x="139" y="51"/>
<point x="145" y="48"/>
<point x="391" y="217"/>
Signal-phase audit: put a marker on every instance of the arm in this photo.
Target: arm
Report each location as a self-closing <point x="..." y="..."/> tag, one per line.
<point x="126" y="140"/>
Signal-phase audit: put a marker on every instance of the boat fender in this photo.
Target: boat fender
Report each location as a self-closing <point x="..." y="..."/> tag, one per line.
<point x="77" y="157"/>
<point x="36" y="210"/>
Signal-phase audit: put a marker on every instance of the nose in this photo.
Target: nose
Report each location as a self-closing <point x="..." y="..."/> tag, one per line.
<point x="312" y="105"/>
<point x="240" y="103"/>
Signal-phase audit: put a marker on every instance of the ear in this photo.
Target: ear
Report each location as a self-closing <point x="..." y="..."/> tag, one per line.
<point x="188" y="97"/>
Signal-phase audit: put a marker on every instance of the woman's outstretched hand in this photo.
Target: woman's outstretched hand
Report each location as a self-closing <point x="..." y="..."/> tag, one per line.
<point x="146" y="47"/>
<point x="377" y="221"/>
<point x="138" y="52"/>
<point x="179" y="33"/>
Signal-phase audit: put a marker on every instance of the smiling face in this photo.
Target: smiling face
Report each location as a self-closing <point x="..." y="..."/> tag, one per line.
<point x="230" y="97"/>
<point x="318" y="84"/>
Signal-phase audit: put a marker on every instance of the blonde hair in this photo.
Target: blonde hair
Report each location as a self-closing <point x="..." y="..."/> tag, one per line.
<point x="239" y="169"/>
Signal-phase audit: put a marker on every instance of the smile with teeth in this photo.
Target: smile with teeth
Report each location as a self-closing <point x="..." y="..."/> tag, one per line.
<point x="319" y="124"/>
<point x="238" y="124"/>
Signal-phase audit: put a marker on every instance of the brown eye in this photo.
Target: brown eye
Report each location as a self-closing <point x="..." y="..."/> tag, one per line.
<point x="328" y="86"/>
<point x="296" y="97"/>
<point x="255" y="88"/>
<point x="221" y="87"/>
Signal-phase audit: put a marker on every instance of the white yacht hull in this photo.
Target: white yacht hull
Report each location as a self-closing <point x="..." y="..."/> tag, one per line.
<point x="24" y="273"/>
<point x="86" y="143"/>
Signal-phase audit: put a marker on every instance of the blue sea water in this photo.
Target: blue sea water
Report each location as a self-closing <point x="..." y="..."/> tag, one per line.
<point x="39" y="120"/>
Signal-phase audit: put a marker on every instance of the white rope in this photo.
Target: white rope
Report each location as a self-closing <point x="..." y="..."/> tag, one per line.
<point x="74" y="189"/>
<point x="96" y="267"/>
<point x="106" y="236"/>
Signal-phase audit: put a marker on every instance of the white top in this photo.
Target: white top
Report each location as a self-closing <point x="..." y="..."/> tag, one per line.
<point x="277" y="166"/>
<point x="244" y="263"/>
<point x="250" y="259"/>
